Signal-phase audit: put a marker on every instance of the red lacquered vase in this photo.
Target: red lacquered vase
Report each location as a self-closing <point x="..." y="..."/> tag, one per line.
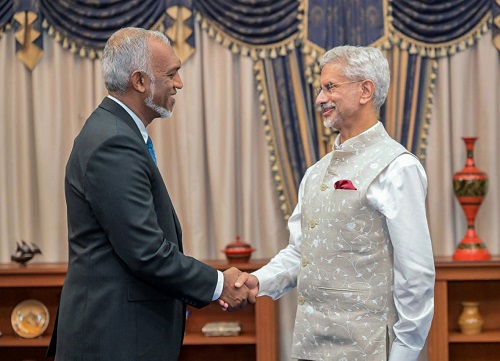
<point x="470" y="186"/>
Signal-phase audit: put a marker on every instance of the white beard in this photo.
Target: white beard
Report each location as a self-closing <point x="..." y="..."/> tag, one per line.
<point x="161" y="111"/>
<point x="331" y="123"/>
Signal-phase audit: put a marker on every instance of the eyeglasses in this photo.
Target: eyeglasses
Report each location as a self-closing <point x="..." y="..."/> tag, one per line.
<point x="330" y="87"/>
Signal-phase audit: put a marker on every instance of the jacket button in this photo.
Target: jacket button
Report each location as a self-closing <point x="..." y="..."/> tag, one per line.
<point x="312" y="223"/>
<point x="323" y="187"/>
<point x="301" y="300"/>
<point x="304" y="262"/>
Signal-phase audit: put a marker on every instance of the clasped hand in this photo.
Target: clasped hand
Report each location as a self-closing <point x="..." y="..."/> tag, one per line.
<point x="239" y="289"/>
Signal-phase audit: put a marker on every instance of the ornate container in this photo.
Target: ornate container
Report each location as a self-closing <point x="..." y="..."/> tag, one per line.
<point x="470" y="186"/>
<point x="238" y="251"/>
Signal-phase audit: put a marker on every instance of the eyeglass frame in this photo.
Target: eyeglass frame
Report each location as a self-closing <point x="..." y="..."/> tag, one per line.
<point x="330" y="87"/>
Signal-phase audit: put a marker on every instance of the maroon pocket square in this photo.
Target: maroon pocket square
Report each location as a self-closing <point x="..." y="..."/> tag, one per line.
<point x="344" y="184"/>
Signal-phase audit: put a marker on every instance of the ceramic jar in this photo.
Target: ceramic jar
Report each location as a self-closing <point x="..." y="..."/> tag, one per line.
<point x="238" y="251"/>
<point x="470" y="320"/>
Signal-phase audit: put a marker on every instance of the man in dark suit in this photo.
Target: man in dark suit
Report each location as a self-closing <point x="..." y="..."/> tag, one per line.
<point x="128" y="281"/>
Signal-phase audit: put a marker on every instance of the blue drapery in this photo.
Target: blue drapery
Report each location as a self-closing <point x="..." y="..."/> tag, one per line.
<point x="437" y="21"/>
<point x="333" y="23"/>
<point x="6" y="13"/>
<point x="253" y="21"/>
<point x="495" y="9"/>
<point x="89" y="23"/>
<point x="286" y="39"/>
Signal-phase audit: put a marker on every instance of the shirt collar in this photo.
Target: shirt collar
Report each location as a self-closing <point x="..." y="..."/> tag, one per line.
<point x="338" y="146"/>
<point x="136" y="119"/>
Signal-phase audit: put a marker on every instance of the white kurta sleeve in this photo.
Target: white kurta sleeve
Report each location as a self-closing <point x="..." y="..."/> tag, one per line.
<point x="279" y="276"/>
<point x="399" y="194"/>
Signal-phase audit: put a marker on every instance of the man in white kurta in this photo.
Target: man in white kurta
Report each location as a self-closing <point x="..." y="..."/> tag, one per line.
<point x="360" y="256"/>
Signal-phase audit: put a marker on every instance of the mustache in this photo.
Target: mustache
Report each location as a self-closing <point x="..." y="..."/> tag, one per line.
<point x="327" y="106"/>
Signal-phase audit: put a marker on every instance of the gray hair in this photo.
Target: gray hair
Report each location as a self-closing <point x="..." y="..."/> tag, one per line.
<point x="126" y="51"/>
<point x="362" y="63"/>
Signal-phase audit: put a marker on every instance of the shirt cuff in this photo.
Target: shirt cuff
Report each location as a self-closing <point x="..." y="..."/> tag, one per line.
<point x="400" y="352"/>
<point x="218" y="288"/>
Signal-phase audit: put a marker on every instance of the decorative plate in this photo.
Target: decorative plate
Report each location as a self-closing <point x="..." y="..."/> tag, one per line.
<point x="30" y="319"/>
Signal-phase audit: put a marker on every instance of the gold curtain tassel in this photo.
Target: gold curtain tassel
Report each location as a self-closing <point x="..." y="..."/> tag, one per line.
<point x="443" y="52"/>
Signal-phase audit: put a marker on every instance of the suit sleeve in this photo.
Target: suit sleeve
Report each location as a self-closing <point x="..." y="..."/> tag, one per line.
<point x="118" y="183"/>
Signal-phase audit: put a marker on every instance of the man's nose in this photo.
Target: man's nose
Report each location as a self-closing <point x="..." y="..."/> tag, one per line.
<point x="321" y="98"/>
<point x="178" y="81"/>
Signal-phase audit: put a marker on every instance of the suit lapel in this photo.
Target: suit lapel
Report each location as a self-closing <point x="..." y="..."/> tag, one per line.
<point x="116" y="109"/>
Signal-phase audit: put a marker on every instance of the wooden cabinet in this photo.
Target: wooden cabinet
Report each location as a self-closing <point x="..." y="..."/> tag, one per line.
<point x="41" y="282"/>
<point x="458" y="282"/>
<point x="257" y="341"/>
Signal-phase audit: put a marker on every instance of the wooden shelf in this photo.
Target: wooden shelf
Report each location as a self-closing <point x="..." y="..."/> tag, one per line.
<point x="484" y="336"/>
<point x="457" y="282"/>
<point x="16" y="341"/>
<point x="43" y="282"/>
<point x="201" y="339"/>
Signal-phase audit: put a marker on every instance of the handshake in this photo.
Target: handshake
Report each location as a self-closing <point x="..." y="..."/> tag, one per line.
<point x="239" y="289"/>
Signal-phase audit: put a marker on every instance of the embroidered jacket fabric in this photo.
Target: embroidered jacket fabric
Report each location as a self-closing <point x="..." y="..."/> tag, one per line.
<point x="346" y="309"/>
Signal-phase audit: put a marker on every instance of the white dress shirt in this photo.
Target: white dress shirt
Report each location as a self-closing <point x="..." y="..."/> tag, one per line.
<point x="399" y="194"/>
<point x="144" y="133"/>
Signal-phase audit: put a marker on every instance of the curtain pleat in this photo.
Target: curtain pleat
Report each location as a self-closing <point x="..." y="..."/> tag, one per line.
<point x="437" y="21"/>
<point x="89" y="23"/>
<point x="407" y="110"/>
<point x="6" y="13"/>
<point x="253" y="22"/>
<point x="290" y="123"/>
<point x="467" y="99"/>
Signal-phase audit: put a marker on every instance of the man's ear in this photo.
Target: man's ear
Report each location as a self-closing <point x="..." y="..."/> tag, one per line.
<point x="138" y="81"/>
<point x="367" y="91"/>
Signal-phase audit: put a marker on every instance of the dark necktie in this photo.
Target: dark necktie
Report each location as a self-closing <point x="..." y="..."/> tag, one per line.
<point x="149" y="143"/>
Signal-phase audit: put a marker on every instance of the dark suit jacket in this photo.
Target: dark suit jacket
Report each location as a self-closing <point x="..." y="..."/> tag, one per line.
<point x="128" y="281"/>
